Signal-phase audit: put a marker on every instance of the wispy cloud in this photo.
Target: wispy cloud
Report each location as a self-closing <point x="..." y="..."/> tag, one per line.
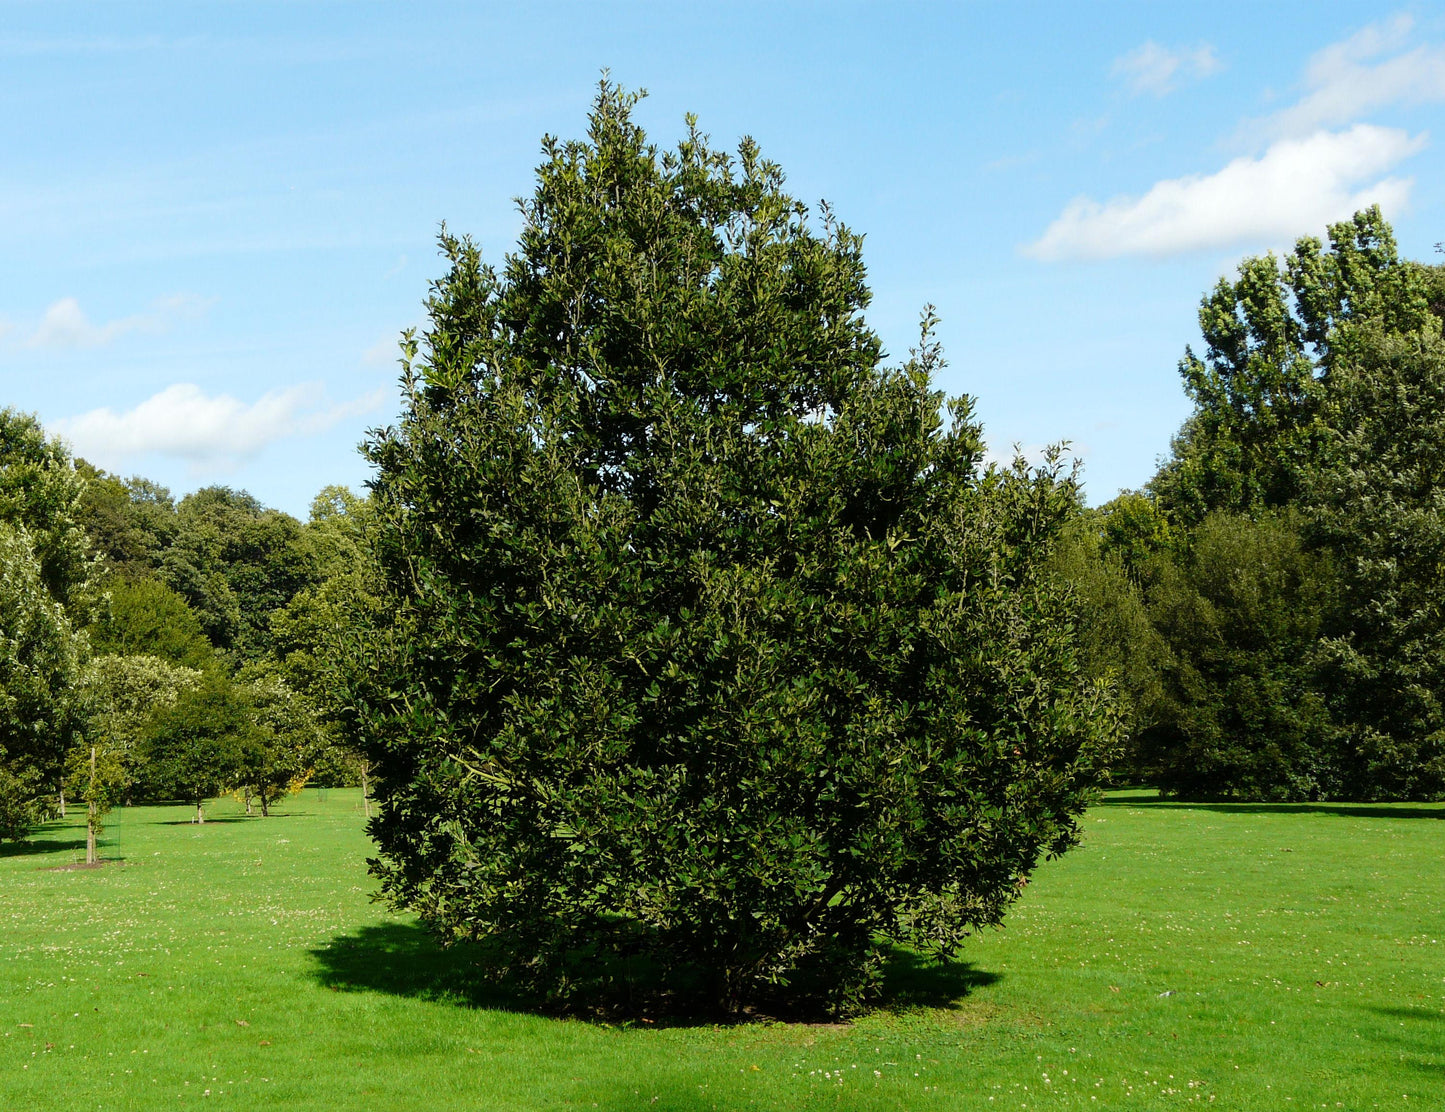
<point x="207" y="431"/>
<point x="65" y="325"/>
<point x="1368" y="71"/>
<point x="383" y="353"/>
<point x="1158" y="70"/>
<point x="1307" y="174"/>
<point x="1297" y="185"/>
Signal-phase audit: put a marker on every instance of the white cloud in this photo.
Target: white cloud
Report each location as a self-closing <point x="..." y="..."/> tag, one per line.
<point x="1296" y="186"/>
<point x="1157" y="70"/>
<point x="65" y="325"/>
<point x="382" y="353"/>
<point x="220" y="431"/>
<point x="1345" y="81"/>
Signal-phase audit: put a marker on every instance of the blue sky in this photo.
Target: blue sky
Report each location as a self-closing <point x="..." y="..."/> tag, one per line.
<point x="217" y="217"/>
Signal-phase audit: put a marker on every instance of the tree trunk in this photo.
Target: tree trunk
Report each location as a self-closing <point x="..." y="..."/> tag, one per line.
<point x="265" y="808"/>
<point x="247" y="790"/>
<point x="365" y="789"/>
<point x="200" y="815"/>
<point x="90" y="814"/>
<point x="62" y="802"/>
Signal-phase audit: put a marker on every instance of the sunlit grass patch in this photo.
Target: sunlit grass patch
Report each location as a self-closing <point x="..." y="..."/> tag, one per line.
<point x="1248" y="957"/>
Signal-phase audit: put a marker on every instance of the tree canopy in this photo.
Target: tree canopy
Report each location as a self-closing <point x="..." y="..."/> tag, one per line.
<point x="1290" y="550"/>
<point x="715" y="648"/>
<point x="41" y="661"/>
<point x="40" y="491"/>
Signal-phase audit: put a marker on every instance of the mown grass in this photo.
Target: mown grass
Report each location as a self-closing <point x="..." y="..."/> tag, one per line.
<point x="1240" y="956"/>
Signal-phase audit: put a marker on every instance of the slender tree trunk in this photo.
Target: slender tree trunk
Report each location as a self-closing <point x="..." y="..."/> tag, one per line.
<point x="90" y="814"/>
<point x="247" y="790"/>
<point x="62" y="802"/>
<point x="200" y="815"/>
<point x="365" y="788"/>
<point x="265" y="808"/>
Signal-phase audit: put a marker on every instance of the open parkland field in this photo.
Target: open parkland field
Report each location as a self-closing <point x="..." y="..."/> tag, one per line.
<point x="1235" y="956"/>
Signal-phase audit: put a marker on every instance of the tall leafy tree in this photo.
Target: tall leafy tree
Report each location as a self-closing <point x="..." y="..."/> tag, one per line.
<point x="129" y="522"/>
<point x="1101" y="557"/>
<point x="235" y="562"/>
<point x="1241" y="715"/>
<point x="144" y="617"/>
<point x="41" y="492"/>
<point x="1379" y="507"/>
<point x="715" y="645"/>
<point x="41" y="661"/>
<point x="1319" y="403"/>
<point x="193" y="749"/>
<point x="1257" y="432"/>
<point x="324" y="638"/>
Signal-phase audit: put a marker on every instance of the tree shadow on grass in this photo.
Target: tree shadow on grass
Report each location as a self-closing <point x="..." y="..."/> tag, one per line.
<point x="911" y="981"/>
<point x="52" y="845"/>
<point x="1423" y="1012"/>
<point x="402" y="959"/>
<point x="677" y="1095"/>
<point x="1355" y="810"/>
<point x="1418" y="1043"/>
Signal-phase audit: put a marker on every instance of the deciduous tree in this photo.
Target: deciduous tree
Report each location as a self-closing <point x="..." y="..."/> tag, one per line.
<point x="40" y="491"/>
<point x="41" y="659"/>
<point x="141" y="616"/>
<point x="281" y="754"/>
<point x="192" y="750"/>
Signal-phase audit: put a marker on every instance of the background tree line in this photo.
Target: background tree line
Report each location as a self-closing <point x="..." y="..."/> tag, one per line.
<point x="1273" y="601"/>
<point x="1269" y="604"/>
<point x="155" y="649"/>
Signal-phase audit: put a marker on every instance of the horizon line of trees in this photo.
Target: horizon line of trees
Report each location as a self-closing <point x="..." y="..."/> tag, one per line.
<point x="1268" y="604"/>
<point x="1272" y="602"/>
<point x="154" y="649"/>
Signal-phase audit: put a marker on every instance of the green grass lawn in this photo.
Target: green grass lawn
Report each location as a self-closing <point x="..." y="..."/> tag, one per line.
<point x="1240" y="956"/>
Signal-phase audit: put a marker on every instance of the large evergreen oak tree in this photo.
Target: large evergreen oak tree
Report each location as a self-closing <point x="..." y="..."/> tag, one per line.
<point x="718" y="655"/>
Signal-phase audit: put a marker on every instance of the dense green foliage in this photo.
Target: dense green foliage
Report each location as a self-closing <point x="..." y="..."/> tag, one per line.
<point x="1260" y="430"/>
<point x="194" y="748"/>
<point x="1290" y="552"/>
<point x="1241" y="715"/>
<point x="324" y="639"/>
<point x="1377" y="508"/>
<point x="145" y="617"/>
<point x="123" y="692"/>
<point x="46" y="594"/>
<point x="86" y="550"/>
<point x="40" y="493"/>
<point x="129" y="522"/>
<point x="235" y="562"/>
<point x="718" y="654"/>
<point x="1117" y="641"/>
<point x="281" y="754"/>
